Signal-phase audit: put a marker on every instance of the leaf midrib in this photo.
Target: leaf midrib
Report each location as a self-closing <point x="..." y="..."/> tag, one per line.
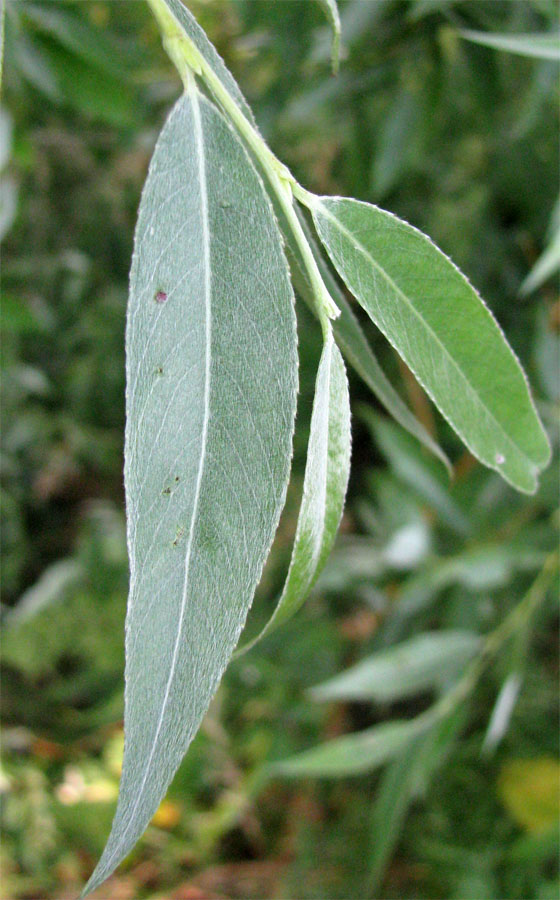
<point x="199" y="144"/>
<point x="359" y="246"/>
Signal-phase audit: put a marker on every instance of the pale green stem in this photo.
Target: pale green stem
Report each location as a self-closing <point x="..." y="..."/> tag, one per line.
<point x="518" y="618"/>
<point x="2" y="29"/>
<point x="186" y="57"/>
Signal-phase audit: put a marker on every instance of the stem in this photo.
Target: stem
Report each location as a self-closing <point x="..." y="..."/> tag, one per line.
<point x="2" y="29"/>
<point x="185" y="55"/>
<point x="518" y="618"/>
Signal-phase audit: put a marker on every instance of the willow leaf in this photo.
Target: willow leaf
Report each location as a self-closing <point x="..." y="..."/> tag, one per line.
<point x="355" y="347"/>
<point x="211" y="395"/>
<point x="324" y="487"/>
<point x="434" y="318"/>
<point x="354" y="754"/>
<point x="538" y="46"/>
<point x="419" y="664"/>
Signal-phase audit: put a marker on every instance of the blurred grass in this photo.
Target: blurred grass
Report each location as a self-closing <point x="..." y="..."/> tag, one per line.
<point x="463" y="142"/>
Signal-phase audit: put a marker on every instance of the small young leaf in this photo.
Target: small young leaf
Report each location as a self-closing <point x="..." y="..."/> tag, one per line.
<point x="212" y="380"/>
<point x="331" y="11"/>
<point x="324" y="487"/>
<point x="538" y="46"/>
<point x="434" y="318"/>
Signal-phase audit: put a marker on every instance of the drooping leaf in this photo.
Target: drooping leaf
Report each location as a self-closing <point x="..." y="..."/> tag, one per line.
<point x="354" y="753"/>
<point x="355" y="347"/>
<point x="211" y="391"/>
<point x="419" y="664"/>
<point x="331" y="11"/>
<point x="538" y="46"/>
<point x="324" y="487"/>
<point x="434" y="318"/>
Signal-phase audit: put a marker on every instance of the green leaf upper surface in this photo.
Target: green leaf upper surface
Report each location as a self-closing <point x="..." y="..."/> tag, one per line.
<point x="211" y="397"/>
<point x="324" y="487"/>
<point x="434" y="318"/>
<point x="539" y="46"/>
<point x="354" y="345"/>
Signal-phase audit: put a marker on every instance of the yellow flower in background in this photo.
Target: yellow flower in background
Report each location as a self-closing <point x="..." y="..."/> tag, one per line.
<point x="168" y="815"/>
<point x="530" y="791"/>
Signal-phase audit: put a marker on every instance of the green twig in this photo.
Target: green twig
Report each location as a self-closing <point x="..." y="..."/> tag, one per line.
<point x="514" y="622"/>
<point x="186" y="57"/>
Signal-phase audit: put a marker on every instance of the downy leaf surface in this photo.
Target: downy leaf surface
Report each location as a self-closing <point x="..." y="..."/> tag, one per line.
<point x="324" y="487"/>
<point x="211" y="398"/>
<point x="437" y="322"/>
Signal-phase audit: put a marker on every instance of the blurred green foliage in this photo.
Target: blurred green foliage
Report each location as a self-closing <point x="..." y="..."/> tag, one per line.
<point x="462" y="141"/>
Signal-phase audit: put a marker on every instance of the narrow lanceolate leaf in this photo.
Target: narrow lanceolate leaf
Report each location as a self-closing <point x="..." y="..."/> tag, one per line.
<point x="354" y="754"/>
<point x="442" y="329"/>
<point x="538" y="46"/>
<point x="324" y="487"/>
<point x="212" y="380"/>
<point x="419" y="664"/>
<point x="354" y="345"/>
<point x="332" y="14"/>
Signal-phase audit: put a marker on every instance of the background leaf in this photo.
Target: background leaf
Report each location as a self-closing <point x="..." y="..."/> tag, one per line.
<point x="549" y="261"/>
<point x="355" y="753"/>
<point x="211" y="370"/>
<point x="423" y="474"/>
<point x="409" y="668"/>
<point x="538" y="46"/>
